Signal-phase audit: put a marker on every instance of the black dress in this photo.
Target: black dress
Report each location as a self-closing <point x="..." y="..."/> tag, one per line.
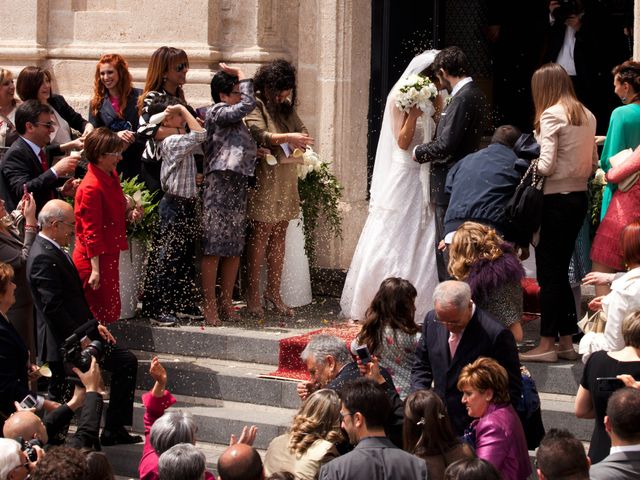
<point x="600" y="364"/>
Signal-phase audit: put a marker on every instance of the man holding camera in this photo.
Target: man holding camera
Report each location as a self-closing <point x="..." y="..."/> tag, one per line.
<point x="66" y="326"/>
<point x="26" y="427"/>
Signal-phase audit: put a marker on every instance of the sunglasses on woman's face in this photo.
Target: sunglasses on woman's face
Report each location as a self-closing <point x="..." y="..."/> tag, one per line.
<point x="181" y="66"/>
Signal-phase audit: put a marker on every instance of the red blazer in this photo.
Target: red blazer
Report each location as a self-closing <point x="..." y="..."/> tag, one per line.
<point x="100" y="210"/>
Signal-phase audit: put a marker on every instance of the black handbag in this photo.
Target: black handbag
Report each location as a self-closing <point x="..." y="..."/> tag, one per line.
<point x="524" y="209"/>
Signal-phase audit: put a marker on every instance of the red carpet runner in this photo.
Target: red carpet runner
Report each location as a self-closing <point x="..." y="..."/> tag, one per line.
<point x="291" y="366"/>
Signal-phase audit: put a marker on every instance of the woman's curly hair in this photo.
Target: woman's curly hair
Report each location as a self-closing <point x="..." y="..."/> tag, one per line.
<point x="273" y="78"/>
<point x="317" y="419"/>
<point x="472" y="242"/>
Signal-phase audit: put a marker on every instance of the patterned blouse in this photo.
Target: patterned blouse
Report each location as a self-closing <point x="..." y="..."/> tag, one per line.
<point x="396" y="354"/>
<point x="229" y="144"/>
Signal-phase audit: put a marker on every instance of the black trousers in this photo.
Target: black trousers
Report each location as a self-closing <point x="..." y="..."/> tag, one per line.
<point x="172" y="282"/>
<point x="123" y="366"/>
<point x="562" y="217"/>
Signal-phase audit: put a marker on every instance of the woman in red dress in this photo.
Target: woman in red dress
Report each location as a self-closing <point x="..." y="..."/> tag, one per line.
<point x="100" y="210"/>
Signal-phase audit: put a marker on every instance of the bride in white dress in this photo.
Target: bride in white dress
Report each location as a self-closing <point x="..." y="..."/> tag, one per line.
<point x="398" y="239"/>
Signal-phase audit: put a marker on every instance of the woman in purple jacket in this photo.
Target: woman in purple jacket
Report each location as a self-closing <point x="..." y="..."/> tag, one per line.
<point x="497" y="434"/>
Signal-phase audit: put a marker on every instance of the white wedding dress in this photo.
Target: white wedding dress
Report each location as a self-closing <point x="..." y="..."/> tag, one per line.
<point x="398" y="238"/>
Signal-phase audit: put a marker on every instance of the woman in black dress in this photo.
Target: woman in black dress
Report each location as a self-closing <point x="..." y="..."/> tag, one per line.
<point x="591" y="401"/>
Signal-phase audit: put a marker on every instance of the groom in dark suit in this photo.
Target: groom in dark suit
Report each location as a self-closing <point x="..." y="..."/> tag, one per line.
<point x="458" y="133"/>
<point x="62" y="311"/>
<point x="455" y="334"/>
<point x="27" y="164"/>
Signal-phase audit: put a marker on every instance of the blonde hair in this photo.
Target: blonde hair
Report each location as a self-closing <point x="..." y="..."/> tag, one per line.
<point x="472" y="242"/>
<point x="551" y="85"/>
<point x="631" y="330"/>
<point x="484" y="374"/>
<point x="6" y="277"/>
<point x="4" y="73"/>
<point x="318" y="418"/>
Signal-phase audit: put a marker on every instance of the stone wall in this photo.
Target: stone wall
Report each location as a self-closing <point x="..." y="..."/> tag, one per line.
<point x="328" y="41"/>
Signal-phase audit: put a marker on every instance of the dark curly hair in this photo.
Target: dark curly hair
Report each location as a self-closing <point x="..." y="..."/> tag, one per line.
<point x="273" y="78"/>
<point x="222" y="82"/>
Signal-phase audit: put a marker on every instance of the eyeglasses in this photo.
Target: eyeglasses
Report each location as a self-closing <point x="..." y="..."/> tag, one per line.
<point x="181" y="66"/>
<point x="49" y="125"/>
<point x="342" y="415"/>
<point x="115" y="154"/>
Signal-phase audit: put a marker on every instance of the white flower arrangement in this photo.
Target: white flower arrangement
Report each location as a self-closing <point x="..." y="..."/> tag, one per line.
<point x="320" y="193"/>
<point x="311" y="162"/>
<point x="416" y="90"/>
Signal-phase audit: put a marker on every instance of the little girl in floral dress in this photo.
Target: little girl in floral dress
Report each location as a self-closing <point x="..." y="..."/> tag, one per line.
<point x="389" y="330"/>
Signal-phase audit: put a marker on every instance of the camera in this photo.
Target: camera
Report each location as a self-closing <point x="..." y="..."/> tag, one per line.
<point x="27" y="446"/>
<point x="565" y="10"/>
<point x="73" y="355"/>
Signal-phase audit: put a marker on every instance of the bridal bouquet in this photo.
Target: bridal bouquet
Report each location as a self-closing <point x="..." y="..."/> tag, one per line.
<point x="320" y="194"/>
<point x="416" y="90"/>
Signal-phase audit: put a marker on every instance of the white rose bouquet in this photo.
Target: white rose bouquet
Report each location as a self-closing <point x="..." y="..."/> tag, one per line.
<point x="416" y="90"/>
<point x="320" y="194"/>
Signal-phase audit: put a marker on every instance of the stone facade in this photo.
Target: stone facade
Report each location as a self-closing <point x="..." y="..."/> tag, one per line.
<point x="328" y="41"/>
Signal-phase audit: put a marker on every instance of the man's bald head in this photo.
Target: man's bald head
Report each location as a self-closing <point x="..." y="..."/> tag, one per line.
<point x="240" y="462"/>
<point x="57" y="221"/>
<point x="26" y="425"/>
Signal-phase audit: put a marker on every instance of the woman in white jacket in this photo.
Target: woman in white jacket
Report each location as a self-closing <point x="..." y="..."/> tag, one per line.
<point x="623" y="299"/>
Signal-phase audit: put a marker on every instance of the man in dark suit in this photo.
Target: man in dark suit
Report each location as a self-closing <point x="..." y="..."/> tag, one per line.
<point x="26" y="162"/>
<point x="561" y="455"/>
<point x="62" y="311"/>
<point x="454" y="334"/>
<point x="622" y="423"/>
<point x="364" y="409"/>
<point x="458" y="133"/>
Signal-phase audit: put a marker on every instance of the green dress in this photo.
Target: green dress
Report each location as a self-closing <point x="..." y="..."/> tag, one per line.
<point x="624" y="132"/>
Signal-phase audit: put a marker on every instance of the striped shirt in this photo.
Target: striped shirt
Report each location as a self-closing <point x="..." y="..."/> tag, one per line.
<point x="178" y="170"/>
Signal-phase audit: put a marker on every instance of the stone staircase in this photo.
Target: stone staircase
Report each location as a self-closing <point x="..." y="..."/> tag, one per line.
<point x="213" y="373"/>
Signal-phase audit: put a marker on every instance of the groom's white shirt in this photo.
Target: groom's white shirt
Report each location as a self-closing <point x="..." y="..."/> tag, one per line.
<point x="460" y="84"/>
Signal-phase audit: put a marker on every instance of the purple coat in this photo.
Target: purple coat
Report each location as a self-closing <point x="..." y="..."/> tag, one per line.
<point x="500" y="440"/>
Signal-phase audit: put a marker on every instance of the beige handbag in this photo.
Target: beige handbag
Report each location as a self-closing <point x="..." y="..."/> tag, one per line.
<point x="593" y="323"/>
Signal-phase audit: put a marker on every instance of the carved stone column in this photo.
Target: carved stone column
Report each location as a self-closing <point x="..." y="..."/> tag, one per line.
<point x="334" y="65"/>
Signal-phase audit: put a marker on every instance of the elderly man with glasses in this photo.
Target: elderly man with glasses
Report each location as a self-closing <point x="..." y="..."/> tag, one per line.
<point x="454" y="334"/>
<point x="26" y="167"/>
<point x="62" y="311"/>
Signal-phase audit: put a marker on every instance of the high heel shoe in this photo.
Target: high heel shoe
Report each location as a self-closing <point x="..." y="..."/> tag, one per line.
<point x="278" y="306"/>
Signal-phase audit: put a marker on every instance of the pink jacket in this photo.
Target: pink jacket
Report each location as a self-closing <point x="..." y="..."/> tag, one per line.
<point x="154" y="408"/>
<point x="500" y="440"/>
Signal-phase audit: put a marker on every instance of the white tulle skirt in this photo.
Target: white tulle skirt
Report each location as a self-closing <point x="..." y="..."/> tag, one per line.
<point x="398" y="241"/>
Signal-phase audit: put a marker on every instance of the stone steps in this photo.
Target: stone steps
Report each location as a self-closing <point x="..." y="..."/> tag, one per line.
<point x="219" y="379"/>
<point x="218" y="419"/>
<point x="213" y="372"/>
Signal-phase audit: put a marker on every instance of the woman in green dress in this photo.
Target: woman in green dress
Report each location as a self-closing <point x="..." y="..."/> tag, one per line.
<point x="623" y="127"/>
<point x="623" y="133"/>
